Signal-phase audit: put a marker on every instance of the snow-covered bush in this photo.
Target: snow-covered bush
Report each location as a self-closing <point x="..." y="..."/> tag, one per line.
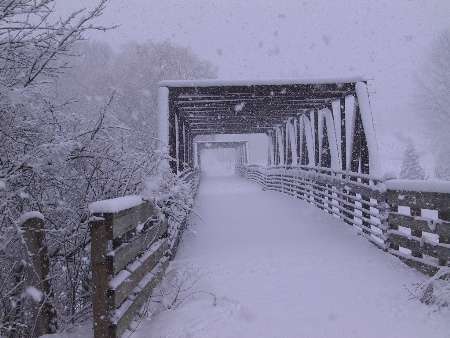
<point x="39" y="143"/>
<point x="437" y="289"/>
<point x="174" y="197"/>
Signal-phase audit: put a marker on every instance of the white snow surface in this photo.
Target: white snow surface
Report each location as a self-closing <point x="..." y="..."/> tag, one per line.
<point x="115" y="205"/>
<point x="26" y="216"/>
<point x="256" y="82"/>
<point x="279" y="267"/>
<point x="418" y="185"/>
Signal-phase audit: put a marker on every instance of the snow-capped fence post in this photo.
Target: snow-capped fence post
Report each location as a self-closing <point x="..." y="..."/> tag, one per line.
<point x="38" y="283"/>
<point x="129" y="248"/>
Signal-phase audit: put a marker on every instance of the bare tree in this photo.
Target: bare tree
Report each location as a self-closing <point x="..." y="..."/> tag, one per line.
<point x="32" y="38"/>
<point x="37" y="144"/>
<point x="434" y="100"/>
<point x="67" y="139"/>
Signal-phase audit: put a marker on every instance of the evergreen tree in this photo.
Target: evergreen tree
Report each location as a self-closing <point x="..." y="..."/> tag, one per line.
<point x="411" y="168"/>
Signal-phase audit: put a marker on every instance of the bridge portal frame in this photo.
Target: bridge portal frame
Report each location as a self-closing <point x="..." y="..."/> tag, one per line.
<point x="319" y="123"/>
<point x="240" y="146"/>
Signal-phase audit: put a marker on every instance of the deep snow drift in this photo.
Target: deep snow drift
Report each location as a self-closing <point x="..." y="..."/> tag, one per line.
<point x="262" y="264"/>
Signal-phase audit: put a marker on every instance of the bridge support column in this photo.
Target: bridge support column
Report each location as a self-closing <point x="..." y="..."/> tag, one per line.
<point x="280" y="146"/>
<point x="270" y="149"/>
<point x="173" y="145"/>
<point x="164" y="122"/>
<point x="180" y="144"/>
<point x="293" y="141"/>
<point x="315" y="122"/>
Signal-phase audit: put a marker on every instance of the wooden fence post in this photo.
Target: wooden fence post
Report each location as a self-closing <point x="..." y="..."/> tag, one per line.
<point x="129" y="255"/>
<point x="38" y="276"/>
<point x="101" y="239"/>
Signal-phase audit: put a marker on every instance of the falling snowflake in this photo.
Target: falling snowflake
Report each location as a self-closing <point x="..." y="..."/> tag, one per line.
<point x="239" y="107"/>
<point x="326" y="39"/>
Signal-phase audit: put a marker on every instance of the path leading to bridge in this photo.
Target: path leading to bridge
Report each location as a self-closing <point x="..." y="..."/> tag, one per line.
<point x="262" y="264"/>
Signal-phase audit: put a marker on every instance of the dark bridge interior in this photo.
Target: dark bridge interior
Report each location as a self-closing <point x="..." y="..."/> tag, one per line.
<point x="210" y="107"/>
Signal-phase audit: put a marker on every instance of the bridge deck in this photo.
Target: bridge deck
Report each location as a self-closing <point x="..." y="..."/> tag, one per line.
<point x="279" y="267"/>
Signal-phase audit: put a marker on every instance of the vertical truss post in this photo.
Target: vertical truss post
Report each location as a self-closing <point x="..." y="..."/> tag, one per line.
<point x="299" y="140"/>
<point x="185" y="152"/>
<point x="274" y="148"/>
<point x="343" y="140"/>
<point x="188" y="147"/>
<point x="294" y="141"/>
<point x="316" y="137"/>
<point x="181" y="141"/>
<point x="172" y="139"/>
<point x="246" y="153"/>
<point x="285" y="143"/>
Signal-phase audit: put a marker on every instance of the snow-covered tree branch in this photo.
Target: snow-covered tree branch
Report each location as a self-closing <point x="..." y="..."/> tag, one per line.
<point x="67" y="139"/>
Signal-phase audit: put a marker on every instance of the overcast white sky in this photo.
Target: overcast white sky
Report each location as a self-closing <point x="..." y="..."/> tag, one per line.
<point x="383" y="40"/>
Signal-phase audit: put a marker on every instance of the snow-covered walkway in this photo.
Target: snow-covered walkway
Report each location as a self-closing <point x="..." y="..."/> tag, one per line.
<point x="262" y="264"/>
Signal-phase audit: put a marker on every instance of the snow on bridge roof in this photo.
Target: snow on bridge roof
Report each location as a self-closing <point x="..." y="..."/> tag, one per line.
<point x="262" y="82"/>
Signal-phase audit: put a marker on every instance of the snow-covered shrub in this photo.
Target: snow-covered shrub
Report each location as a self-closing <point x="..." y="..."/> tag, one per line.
<point x="174" y="197"/>
<point x="38" y="143"/>
<point x="56" y="163"/>
<point x="437" y="289"/>
<point x="411" y="168"/>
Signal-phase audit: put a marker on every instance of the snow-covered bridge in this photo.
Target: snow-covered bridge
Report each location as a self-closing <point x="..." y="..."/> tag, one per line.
<point x="262" y="264"/>
<point x="324" y="123"/>
<point x="270" y="264"/>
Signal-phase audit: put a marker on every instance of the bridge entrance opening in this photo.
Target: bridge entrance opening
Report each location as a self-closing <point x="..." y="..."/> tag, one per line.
<point x="326" y="123"/>
<point x="220" y="158"/>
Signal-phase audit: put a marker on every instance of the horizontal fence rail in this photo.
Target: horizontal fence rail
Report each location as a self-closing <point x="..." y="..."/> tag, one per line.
<point x="413" y="225"/>
<point x="128" y="249"/>
<point x="419" y="227"/>
<point x="131" y="248"/>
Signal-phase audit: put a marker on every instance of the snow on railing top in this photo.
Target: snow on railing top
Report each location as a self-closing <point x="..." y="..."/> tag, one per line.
<point x="115" y="205"/>
<point x="437" y="186"/>
<point x="420" y="186"/>
<point x="329" y="171"/>
<point x="275" y="82"/>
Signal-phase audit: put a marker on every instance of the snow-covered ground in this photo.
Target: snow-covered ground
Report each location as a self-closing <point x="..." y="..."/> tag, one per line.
<point x="262" y="264"/>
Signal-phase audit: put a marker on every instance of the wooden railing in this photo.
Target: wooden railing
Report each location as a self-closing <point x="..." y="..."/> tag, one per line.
<point x="130" y="250"/>
<point x="371" y="206"/>
<point x="419" y="224"/>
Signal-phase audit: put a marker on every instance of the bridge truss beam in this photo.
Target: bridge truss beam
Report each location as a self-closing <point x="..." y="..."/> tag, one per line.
<point x="308" y="123"/>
